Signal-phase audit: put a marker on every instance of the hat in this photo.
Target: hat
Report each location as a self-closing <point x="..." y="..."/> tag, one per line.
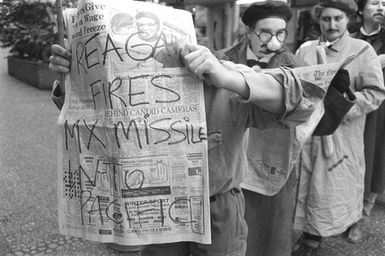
<point x="348" y="6"/>
<point x="261" y="10"/>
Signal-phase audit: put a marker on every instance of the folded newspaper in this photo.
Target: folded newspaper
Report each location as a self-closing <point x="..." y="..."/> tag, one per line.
<point x="132" y="158"/>
<point x="267" y="178"/>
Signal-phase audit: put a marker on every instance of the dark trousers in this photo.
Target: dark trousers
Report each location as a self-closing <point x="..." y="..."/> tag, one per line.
<point x="270" y="221"/>
<point x="374" y="137"/>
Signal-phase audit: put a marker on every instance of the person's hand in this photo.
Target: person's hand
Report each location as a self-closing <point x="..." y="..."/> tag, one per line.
<point x="381" y="57"/>
<point x="60" y="60"/>
<point x="203" y="64"/>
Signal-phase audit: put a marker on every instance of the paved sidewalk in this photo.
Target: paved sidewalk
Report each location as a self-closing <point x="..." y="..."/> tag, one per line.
<point x="373" y="243"/>
<point x="28" y="214"/>
<point x="28" y="208"/>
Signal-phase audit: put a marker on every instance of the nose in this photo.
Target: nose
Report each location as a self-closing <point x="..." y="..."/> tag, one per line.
<point x="275" y="38"/>
<point x="333" y="24"/>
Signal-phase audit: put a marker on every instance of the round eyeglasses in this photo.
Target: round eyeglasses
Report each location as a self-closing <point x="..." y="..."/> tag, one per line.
<point x="265" y="36"/>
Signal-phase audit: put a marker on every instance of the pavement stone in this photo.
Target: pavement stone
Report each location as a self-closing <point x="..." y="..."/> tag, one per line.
<point x="28" y="213"/>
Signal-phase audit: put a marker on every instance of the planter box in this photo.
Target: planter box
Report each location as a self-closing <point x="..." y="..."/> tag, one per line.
<point x="34" y="73"/>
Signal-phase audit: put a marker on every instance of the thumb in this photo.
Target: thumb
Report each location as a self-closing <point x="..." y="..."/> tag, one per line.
<point x="67" y="44"/>
<point x="189" y="47"/>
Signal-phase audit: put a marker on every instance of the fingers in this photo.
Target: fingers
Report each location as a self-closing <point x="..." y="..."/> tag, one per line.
<point x="57" y="68"/>
<point x="61" y="51"/>
<point x="200" y="60"/>
<point x="193" y="58"/>
<point x="188" y="47"/>
<point x="382" y="60"/>
<point x="195" y="47"/>
<point x="60" y="59"/>
<point x="201" y="65"/>
<point x="67" y="44"/>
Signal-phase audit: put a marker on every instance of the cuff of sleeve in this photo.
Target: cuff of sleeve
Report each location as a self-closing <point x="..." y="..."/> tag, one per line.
<point x="280" y="76"/>
<point x="252" y="83"/>
<point x="300" y="97"/>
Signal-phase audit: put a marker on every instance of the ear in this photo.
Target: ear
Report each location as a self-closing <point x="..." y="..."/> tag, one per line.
<point x="249" y="32"/>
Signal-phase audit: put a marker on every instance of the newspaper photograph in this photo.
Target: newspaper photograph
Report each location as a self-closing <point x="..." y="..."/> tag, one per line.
<point x="132" y="147"/>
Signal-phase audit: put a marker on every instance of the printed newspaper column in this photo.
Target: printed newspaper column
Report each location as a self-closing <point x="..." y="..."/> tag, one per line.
<point x="132" y="158"/>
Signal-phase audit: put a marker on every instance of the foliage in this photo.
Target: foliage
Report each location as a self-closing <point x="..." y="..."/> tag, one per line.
<point x="29" y="28"/>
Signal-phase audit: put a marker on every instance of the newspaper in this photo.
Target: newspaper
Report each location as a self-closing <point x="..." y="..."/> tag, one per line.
<point x="267" y="179"/>
<point x="132" y="158"/>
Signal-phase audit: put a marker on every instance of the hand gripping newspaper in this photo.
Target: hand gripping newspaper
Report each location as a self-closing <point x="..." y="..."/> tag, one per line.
<point x="132" y="158"/>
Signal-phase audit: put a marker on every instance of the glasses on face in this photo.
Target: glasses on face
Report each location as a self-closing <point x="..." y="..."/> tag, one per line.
<point x="265" y="36"/>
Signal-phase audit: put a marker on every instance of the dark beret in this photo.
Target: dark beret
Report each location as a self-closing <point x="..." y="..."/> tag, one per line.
<point x="348" y="6"/>
<point x="266" y="9"/>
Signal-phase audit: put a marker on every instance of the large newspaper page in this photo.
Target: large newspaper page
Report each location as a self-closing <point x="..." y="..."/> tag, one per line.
<point x="269" y="179"/>
<point x="132" y="157"/>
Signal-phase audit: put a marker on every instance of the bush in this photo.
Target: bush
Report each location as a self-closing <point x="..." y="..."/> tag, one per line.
<point x="29" y="28"/>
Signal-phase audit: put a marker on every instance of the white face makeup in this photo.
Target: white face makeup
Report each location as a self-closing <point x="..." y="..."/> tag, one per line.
<point x="267" y="36"/>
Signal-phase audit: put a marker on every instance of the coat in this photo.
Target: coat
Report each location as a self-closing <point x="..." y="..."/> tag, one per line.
<point x="331" y="186"/>
<point x="374" y="135"/>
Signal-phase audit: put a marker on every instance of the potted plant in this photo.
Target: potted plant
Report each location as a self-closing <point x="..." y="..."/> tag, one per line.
<point x="28" y="28"/>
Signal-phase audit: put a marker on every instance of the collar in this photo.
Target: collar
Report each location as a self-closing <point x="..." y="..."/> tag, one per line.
<point x="337" y="44"/>
<point x="237" y="53"/>
<point x="363" y="31"/>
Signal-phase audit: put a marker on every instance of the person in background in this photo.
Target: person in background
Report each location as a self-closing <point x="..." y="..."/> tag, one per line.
<point x="331" y="167"/>
<point x="269" y="210"/>
<point x="371" y="13"/>
<point x="234" y="100"/>
<point x="263" y="44"/>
